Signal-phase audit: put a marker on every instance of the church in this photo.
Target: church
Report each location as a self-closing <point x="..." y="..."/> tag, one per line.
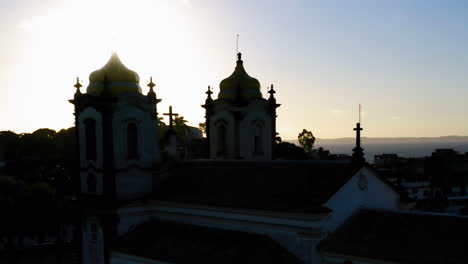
<point x="238" y="206"/>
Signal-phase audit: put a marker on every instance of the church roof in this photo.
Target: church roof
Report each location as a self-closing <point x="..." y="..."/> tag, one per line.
<point x="401" y="237"/>
<point x="283" y="186"/>
<point x="239" y="87"/>
<point x="116" y="76"/>
<point x="182" y="243"/>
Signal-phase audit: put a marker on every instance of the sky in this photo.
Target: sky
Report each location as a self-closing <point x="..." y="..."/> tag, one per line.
<point x="404" y="61"/>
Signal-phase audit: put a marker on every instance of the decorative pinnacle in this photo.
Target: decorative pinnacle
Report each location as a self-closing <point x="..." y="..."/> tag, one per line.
<point x="208" y="98"/>
<point x="271" y="91"/>
<point x="78" y="84"/>
<point x="239" y="56"/>
<point x="151" y="84"/>
<point x="209" y="92"/>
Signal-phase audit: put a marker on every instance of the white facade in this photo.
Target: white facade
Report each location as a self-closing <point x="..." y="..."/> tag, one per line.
<point x="133" y="176"/>
<point x="241" y="132"/>
<point x="364" y="190"/>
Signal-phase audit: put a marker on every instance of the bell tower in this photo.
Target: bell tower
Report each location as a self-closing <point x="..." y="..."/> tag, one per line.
<point x="240" y="123"/>
<point x="116" y="134"/>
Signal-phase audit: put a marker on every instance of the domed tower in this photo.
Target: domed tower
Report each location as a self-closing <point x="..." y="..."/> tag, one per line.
<point x="240" y="124"/>
<point x="116" y="134"/>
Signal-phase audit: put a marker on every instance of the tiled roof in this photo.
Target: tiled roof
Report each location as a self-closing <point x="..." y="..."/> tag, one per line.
<point x="180" y="243"/>
<point x="294" y="186"/>
<point x="401" y="237"/>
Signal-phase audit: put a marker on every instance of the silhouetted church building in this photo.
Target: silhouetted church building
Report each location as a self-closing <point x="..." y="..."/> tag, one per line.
<point x="240" y="206"/>
<point x="240" y="124"/>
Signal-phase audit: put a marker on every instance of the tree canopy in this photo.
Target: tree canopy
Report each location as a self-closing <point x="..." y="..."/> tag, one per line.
<point x="306" y="140"/>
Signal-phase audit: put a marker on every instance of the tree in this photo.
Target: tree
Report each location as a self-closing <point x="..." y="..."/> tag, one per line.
<point x="277" y="138"/>
<point x="9" y="142"/>
<point x="202" y="127"/>
<point x="306" y="140"/>
<point x="181" y="128"/>
<point x="289" y="151"/>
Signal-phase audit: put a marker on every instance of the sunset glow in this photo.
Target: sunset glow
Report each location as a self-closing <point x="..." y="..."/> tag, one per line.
<point x="404" y="63"/>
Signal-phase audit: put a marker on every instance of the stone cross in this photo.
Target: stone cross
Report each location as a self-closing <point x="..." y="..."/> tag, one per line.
<point x="358" y="130"/>
<point x="170" y="114"/>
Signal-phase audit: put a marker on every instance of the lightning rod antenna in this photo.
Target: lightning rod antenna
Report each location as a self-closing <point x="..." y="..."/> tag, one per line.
<point x="359" y="113"/>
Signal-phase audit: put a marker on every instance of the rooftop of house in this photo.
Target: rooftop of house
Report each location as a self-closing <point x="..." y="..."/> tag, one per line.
<point x="402" y="237"/>
<point x="285" y="186"/>
<point x="182" y="243"/>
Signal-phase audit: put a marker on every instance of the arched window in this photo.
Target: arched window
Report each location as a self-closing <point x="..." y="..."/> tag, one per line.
<point x="132" y="141"/>
<point x="221" y="140"/>
<point x="258" y="139"/>
<point x="91" y="182"/>
<point x="90" y="139"/>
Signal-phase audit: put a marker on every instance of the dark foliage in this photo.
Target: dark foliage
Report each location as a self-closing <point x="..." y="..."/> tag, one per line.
<point x="289" y="151"/>
<point x="35" y="182"/>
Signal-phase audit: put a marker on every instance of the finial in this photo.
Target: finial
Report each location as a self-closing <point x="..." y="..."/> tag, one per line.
<point x="151" y="94"/>
<point x="151" y="84"/>
<point x="78" y="84"/>
<point x="239" y="56"/>
<point x="271" y="91"/>
<point x="209" y="92"/>
<point x="237" y="44"/>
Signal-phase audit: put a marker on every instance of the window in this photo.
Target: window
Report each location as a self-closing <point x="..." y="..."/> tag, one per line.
<point x="132" y="141"/>
<point x="91" y="182"/>
<point x="258" y="142"/>
<point x="90" y="139"/>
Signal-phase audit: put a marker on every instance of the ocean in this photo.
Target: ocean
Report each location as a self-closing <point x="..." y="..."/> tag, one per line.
<point x="409" y="150"/>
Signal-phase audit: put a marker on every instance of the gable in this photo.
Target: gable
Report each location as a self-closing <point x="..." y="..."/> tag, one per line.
<point x="365" y="189"/>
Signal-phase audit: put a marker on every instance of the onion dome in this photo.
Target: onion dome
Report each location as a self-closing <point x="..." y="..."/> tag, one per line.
<point x="239" y="86"/>
<point x="118" y="78"/>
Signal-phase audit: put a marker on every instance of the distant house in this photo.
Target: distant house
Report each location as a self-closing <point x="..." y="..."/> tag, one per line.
<point x="378" y="236"/>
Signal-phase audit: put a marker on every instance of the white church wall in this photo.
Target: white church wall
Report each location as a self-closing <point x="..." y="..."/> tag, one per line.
<point x="255" y="114"/>
<point x="220" y="116"/>
<point x="363" y="190"/>
<point x="146" y="127"/>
